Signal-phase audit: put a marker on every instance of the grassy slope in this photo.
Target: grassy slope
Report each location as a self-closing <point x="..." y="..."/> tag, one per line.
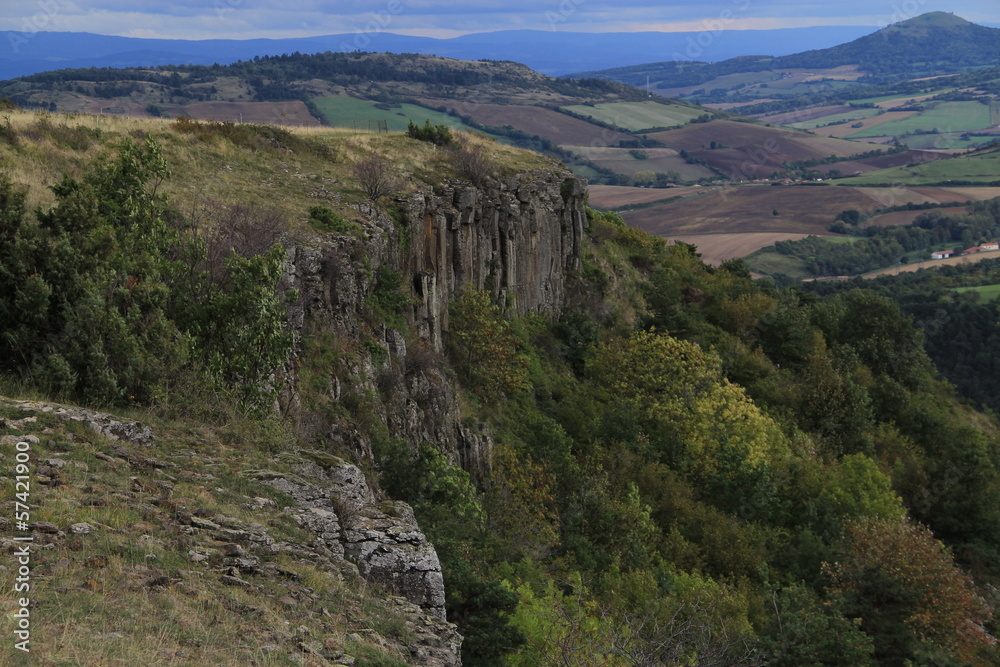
<point x="97" y="602"/>
<point x="311" y="166"/>
<point x="129" y="593"/>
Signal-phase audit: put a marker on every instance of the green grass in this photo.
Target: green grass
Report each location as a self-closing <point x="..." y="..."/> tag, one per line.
<point x="887" y="98"/>
<point x="351" y="112"/>
<point x="986" y="292"/>
<point x="769" y="262"/>
<point x="983" y="168"/>
<point x="638" y="115"/>
<point x="944" y="117"/>
<point x="857" y="114"/>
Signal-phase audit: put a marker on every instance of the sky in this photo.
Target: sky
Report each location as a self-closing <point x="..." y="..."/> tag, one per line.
<point x="246" y="19"/>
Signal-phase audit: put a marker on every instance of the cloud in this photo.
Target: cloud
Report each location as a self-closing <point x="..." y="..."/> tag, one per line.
<point x="241" y="19"/>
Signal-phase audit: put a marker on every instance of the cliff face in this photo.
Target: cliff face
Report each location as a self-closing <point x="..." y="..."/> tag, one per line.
<point x="518" y="238"/>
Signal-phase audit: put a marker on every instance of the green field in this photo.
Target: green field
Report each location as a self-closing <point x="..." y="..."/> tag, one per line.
<point x="986" y="292"/>
<point x="857" y="114"/>
<point x="769" y="262"/>
<point x="888" y="98"/>
<point x="983" y="168"/>
<point x="363" y="114"/>
<point x="943" y="117"/>
<point x="637" y="115"/>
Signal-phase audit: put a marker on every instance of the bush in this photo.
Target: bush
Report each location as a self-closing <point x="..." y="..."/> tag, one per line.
<point x="439" y="135"/>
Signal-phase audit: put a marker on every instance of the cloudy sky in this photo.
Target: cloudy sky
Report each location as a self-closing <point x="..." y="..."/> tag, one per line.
<point x="243" y="19"/>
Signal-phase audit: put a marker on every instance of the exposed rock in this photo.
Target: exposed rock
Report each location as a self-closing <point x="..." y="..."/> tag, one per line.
<point x="100" y="422"/>
<point x="389" y="548"/>
<point x="383" y="540"/>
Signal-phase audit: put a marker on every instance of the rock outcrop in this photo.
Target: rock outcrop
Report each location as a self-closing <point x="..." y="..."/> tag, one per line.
<point x="518" y="238"/>
<point x="382" y="540"/>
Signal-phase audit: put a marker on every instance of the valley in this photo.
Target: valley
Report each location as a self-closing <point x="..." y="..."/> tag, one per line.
<point x="343" y="357"/>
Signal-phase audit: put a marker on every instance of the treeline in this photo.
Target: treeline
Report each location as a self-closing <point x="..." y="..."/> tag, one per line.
<point x="879" y="247"/>
<point x="277" y="78"/>
<point x="112" y="297"/>
<point x="961" y="331"/>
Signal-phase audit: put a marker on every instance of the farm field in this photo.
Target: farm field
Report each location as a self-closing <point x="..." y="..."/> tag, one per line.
<point x="845" y="129"/>
<point x="942" y="117"/>
<point x="275" y="113"/>
<point x="748" y="151"/>
<point x="611" y="197"/>
<point x="548" y="124"/>
<point x="750" y="208"/>
<point x="804" y="115"/>
<point x="717" y="248"/>
<point x="893" y="101"/>
<point x="933" y="264"/>
<point x="986" y="292"/>
<point x="351" y="112"/>
<point x="638" y="115"/>
<point x="662" y="160"/>
<point x="846" y="117"/>
<point x="981" y="167"/>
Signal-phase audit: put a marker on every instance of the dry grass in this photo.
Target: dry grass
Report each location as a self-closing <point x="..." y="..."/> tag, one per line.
<point x="300" y="168"/>
<point x="128" y="593"/>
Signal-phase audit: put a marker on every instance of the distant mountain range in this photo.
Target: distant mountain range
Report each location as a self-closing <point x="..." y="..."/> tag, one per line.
<point x="931" y="44"/>
<point x="553" y="52"/>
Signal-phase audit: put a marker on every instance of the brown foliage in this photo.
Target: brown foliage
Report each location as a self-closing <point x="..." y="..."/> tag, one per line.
<point x="375" y="175"/>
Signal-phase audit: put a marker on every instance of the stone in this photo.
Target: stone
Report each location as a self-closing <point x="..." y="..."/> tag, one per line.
<point x="81" y="528"/>
<point x="204" y="524"/>
<point x="44" y="527"/>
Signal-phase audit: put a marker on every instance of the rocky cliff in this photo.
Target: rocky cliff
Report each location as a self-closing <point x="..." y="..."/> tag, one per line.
<point x="519" y="238"/>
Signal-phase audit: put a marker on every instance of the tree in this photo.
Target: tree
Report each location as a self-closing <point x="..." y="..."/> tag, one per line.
<point x="375" y="175"/>
<point x="910" y="596"/>
<point x="484" y="345"/>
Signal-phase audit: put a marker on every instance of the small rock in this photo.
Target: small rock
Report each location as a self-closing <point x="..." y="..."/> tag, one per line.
<point x="197" y="557"/>
<point x="233" y="551"/>
<point x="236" y="581"/>
<point x="205" y="524"/>
<point x="81" y="528"/>
<point x="55" y="463"/>
<point x="288" y="602"/>
<point x="44" y="527"/>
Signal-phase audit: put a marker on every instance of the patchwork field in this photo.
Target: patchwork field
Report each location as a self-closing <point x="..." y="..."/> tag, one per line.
<point x="804" y="115"/>
<point x="717" y="248"/>
<point x="981" y="167"/>
<point x="638" y="115"/>
<point x="548" y="124"/>
<point x="848" y="118"/>
<point x="845" y="129"/>
<point x="617" y="196"/>
<point x="943" y="118"/>
<point x="661" y="160"/>
<point x="743" y="209"/>
<point x="351" y="112"/>
<point x="748" y="151"/>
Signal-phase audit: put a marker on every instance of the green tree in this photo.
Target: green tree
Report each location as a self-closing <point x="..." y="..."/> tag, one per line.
<point x="911" y="597"/>
<point x="484" y="346"/>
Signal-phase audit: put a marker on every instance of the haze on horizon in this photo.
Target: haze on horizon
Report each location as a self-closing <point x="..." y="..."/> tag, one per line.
<point x="252" y="19"/>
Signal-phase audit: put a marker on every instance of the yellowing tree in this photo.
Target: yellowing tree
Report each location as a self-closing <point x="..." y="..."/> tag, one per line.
<point x="676" y="386"/>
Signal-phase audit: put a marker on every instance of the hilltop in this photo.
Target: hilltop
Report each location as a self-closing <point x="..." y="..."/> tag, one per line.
<point x="928" y="45"/>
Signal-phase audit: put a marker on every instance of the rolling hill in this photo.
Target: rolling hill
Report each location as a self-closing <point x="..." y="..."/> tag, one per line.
<point x="928" y="45"/>
<point x="604" y="129"/>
